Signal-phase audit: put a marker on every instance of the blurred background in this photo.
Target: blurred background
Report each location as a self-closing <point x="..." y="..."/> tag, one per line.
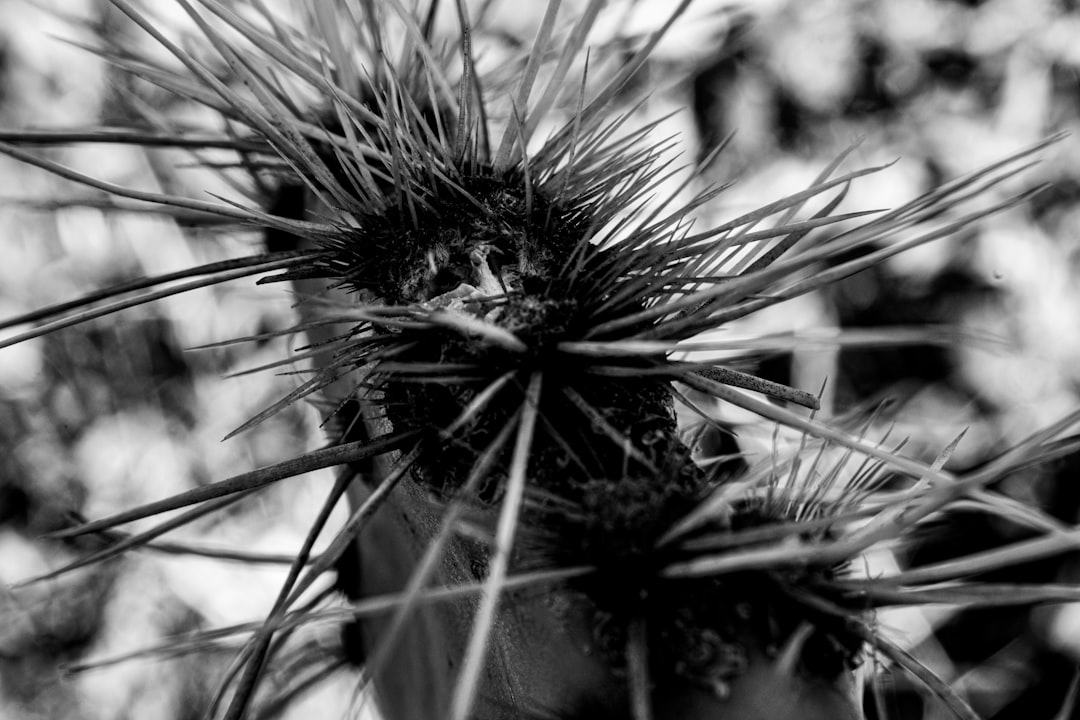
<point x="119" y="412"/>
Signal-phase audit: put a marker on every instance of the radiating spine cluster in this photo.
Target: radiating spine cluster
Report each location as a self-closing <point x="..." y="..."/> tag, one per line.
<point x="496" y="335"/>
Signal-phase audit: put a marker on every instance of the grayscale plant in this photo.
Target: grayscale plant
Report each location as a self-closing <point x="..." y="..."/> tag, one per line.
<point x="500" y="324"/>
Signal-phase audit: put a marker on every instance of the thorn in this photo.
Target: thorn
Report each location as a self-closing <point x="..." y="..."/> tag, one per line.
<point x="788" y="663"/>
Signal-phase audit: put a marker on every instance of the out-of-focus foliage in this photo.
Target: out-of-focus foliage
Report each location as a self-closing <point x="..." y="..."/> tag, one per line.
<point x="942" y="86"/>
<point x="119" y="412"/>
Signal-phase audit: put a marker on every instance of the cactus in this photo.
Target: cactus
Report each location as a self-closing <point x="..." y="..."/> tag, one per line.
<point x="497" y="328"/>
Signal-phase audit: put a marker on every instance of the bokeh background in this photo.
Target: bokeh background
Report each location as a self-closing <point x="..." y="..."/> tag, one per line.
<point x="118" y="412"/>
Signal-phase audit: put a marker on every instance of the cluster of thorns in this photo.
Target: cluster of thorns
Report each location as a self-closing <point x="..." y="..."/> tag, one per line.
<point x="498" y="329"/>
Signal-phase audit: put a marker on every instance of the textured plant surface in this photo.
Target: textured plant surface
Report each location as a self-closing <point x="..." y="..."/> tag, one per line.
<point x="587" y="463"/>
